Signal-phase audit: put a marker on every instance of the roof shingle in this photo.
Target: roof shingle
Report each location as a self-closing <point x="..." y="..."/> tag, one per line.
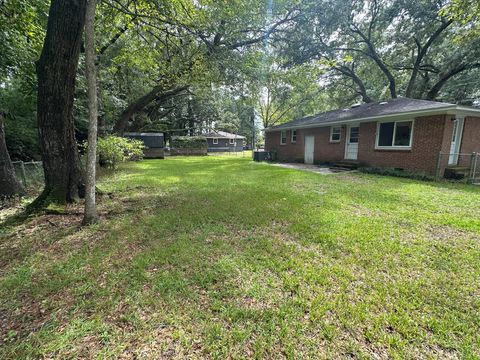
<point x="380" y="108"/>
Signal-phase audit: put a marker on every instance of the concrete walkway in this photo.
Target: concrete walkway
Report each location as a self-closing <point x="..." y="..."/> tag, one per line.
<point x="325" y="170"/>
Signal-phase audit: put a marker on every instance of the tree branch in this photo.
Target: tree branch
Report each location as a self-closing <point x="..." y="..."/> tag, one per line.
<point x="422" y="52"/>
<point x="143" y="101"/>
<point x="372" y="53"/>
<point x="435" y="89"/>
<point x="361" y="86"/>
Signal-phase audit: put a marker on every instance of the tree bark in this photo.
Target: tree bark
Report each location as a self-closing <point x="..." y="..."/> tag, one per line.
<point x="56" y="72"/>
<point x="9" y="185"/>
<point x="142" y="102"/>
<point x="90" y="215"/>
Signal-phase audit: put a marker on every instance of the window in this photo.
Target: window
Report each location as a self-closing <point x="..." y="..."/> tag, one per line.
<point x="397" y="134"/>
<point x="283" y="137"/>
<point x="232" y="141"/>
<point x="335" y="133"/>
<point x="354" y="130"/>
<point x="215" y="141"/>
<point x="294" y="136"/>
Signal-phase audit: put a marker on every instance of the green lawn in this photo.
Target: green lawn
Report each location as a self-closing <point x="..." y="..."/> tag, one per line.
<point x="220" y="257"/>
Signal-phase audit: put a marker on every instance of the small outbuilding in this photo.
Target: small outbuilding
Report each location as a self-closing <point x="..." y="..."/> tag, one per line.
<point x="154" y="143"/>
<point x="221" y="141"/>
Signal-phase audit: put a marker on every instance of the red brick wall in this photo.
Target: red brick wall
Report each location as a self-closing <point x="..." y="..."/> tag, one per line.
<point x="288" y="152"/>
<point x="471" y="136"/>
<point x="470" y="141"/>
<point x="324" y="151"/>
<point x="428" y="137"/>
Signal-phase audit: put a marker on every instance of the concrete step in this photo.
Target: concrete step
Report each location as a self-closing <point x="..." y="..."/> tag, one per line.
<point x="456" y="172"/>
<point x="340" y="169"/>
<point x="346" y="164"/>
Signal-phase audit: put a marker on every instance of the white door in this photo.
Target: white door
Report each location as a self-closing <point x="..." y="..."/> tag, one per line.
<point x="309" y="148"/>
<point x="456" y="141"/>
<point x="351" y="143"/>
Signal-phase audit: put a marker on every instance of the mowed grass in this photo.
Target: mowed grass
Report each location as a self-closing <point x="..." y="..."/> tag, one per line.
<point x="221" y="257"/>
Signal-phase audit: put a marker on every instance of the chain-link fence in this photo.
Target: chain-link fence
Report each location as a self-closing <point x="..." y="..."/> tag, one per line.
<point x="29" y="173"/>
<point x="459" y="166"/>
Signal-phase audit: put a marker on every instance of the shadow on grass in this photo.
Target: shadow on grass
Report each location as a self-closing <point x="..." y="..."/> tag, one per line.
<point x="232" y="251"/>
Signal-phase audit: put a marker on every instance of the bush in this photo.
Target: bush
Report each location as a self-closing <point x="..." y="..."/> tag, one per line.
<point x="113" y="150"/>
<point x="396" y="173"/>
<point x="189" y="142"/>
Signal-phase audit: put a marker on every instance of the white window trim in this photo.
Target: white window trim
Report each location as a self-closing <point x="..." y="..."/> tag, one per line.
<point x="281" y="137"/>
<point x="397" y="147"/>
<point x="215" y="141"/>
<point x="331" y="134"/>
<point x="291" y="136"/>
<point x="231" y="141"/>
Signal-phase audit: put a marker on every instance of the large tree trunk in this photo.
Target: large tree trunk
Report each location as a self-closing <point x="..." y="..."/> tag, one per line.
<point x="9" y="185"/>
<point x="139" y="104"/>
<point x="90" y="215"/>
<point x="56" y="71"/>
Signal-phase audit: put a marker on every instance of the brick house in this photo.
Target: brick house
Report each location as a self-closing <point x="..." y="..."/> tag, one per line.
<point x="401" y="133"/>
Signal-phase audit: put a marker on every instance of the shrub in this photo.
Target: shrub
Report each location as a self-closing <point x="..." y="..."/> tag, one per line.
<point x="113" y="150"/>
<point x="189" y="142"/>
<point x="396" y="173"/>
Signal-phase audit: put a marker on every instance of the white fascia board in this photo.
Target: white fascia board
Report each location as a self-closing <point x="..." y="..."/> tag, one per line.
<point x="464" y="111"/>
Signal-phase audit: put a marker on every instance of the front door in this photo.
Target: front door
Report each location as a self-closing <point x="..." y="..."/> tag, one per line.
<point x="309" y="148"/>
<point x="456" y="141"/>
<point x="351" y="143"/>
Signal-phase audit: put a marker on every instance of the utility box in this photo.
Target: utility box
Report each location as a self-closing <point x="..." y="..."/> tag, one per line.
<point x="261" y="155"/>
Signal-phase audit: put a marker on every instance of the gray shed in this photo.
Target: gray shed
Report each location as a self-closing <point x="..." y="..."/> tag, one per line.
<point x="154" y="143"/>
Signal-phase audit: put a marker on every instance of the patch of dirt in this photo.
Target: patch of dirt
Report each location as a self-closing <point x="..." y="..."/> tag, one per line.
<point x="449" y="234"/>
<point x="46" y="233"/>
<point x="29" y="317"/>
<point x="159" y="345"/>
<point x="87" y="347"/>
<point x="248" y="302"/>
<point x="436" y="352"/>
<point x="362" y="211"/>
<point x="354" y="177"/>
<point x="305" y="167"/>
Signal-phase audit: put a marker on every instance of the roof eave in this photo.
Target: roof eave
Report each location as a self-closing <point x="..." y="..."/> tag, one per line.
<point x="448" y="110"/>
<point x="464" y="111"/>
